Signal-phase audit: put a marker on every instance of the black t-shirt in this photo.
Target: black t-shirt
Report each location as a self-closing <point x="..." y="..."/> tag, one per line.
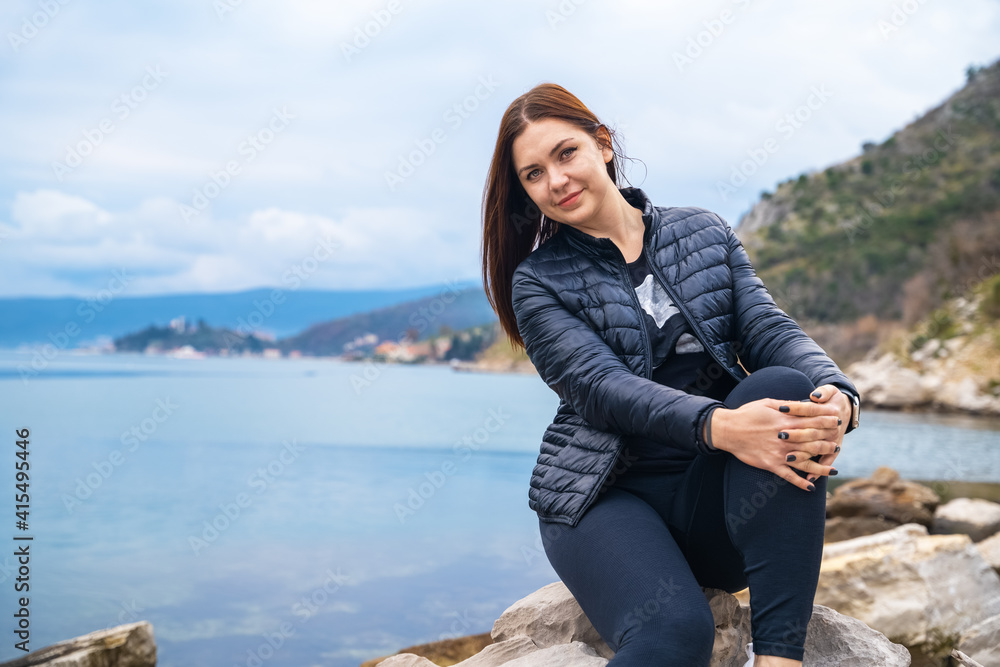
<point x="679" y="361"/>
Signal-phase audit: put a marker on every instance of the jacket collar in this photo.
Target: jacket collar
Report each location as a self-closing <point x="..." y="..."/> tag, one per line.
<point x="604" y="246"/>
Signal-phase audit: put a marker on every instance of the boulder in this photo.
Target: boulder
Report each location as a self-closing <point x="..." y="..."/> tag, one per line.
<point x="886" y="497"/>
<point x="406" y="660"/>
<point x="981" y="642"/>
<point x="919" y="590"/>
<point x="974" y="517"/>
<point x="130" y="645"/>
<point x="574" y="654"/>
<point x="833" y="640"/>
<point x="549" y="626"/>
<point x="990" y="549"/>
<point x="549" y="616"/>
<point x="841" y="528"/>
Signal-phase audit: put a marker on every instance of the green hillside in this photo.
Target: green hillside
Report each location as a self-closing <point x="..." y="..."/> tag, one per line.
<point x="889" y="235"/>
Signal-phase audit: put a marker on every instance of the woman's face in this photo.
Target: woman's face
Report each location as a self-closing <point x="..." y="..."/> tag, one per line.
<point x="563" y="170"/>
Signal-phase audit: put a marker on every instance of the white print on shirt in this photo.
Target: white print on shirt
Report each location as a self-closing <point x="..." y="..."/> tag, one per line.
<point x="654" y="300"/>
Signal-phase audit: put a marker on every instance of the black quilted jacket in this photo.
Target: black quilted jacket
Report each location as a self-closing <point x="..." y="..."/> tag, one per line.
<point x="582" y="327"/>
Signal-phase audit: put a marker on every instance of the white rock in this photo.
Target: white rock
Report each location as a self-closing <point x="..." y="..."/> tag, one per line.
<point x="912" y="587"/>
<point x="990" y="549"/>
<point x="130" y="645"/>
<point x="974" y="517"/>
<point x="406" y="660"/>
<point x="981" y="642"/>
<point x="575" y="654"/>
<point x="833" y="639"/>
<point x="550" y="616"/>
<point x="501" y="653"/>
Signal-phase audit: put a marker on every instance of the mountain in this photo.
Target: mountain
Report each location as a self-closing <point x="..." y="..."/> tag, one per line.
<point x="75" y="322"/>
<point x="879" y="241"/>
<point x="450" y="309"/>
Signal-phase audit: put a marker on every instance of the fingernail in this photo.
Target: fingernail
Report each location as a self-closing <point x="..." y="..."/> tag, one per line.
<point x="790" y="458"/>
<point x="839" y="421"/>
<point x="836" y="449"/>
<point x="784" y="408"/>
<point x="783" y="436"/>
<point x="818" y="394"/>
<point x="833" y="471"/>
<point x="811" y="478"/>
<point x="812" y="487"/>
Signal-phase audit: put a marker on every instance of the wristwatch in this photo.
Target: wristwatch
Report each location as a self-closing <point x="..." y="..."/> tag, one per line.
<point x="855" y="410"/>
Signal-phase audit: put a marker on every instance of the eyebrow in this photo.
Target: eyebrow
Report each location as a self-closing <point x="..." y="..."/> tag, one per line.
<point x="551" y="153"/>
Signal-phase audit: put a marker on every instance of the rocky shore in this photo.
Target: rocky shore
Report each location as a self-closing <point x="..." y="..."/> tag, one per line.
<point x="906" y="579"/>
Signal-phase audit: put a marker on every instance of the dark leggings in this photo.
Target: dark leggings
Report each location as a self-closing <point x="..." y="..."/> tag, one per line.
<point x="640" y="555"/>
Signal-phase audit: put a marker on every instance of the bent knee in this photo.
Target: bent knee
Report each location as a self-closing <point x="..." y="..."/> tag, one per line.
<point x="668" y="629"/>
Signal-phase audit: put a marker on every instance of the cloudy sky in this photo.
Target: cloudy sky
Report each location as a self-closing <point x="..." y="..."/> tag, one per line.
<point x="215" y="145"/>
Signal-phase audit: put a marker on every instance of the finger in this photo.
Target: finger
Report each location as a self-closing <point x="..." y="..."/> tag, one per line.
<point x="804" y="408"/>
<point x="805" y="435"/>
<point x="813" y="468"/>
<point x="805" y="450"/>
<point x="823" y="394"/>
<point x="788" y="474"/>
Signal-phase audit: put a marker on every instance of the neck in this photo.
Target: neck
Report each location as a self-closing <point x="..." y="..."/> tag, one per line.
<point x="618" y="220"/>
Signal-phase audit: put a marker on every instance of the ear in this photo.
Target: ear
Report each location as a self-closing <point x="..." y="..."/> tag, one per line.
<point x="604" y="143"/>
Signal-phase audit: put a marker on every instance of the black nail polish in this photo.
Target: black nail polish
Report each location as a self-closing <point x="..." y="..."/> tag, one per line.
<point x="784" y="408"/>
<point x="783" y="436"/>
<point x="839" y="421"/>
<point x="812" y="487"/>
<point x="833" y="471"/>
<point x="837" y="448"/>
<point x="790" y="458"/>
<point x="818" y="394"/>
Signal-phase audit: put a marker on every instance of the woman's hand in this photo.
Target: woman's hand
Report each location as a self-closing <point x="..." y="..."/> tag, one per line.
<point x="831" y="394"/>
<point x="781" y="436"/>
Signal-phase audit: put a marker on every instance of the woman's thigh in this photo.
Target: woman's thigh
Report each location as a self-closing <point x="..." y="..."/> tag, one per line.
<point x="628" y="574"/>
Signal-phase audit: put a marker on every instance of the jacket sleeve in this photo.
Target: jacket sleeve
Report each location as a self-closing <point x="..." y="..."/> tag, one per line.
<point x="767" y="335"/>
<point x="576" y="363"/>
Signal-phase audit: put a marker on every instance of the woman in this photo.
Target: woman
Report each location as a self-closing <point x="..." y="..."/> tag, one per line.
<point x="697" y="424"/>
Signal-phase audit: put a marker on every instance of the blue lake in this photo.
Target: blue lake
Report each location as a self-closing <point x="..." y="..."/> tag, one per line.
<point x="309" y="512"/>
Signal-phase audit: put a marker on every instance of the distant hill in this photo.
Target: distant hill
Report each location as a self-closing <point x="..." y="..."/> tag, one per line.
<point x="34" y="321"/>
<point x="448" y="310"/>
<point x="895" y="231"/>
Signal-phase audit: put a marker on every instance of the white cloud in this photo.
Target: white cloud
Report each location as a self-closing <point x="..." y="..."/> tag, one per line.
<point x="353" y="119"/>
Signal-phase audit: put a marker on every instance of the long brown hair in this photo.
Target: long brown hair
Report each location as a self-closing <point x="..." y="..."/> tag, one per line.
<point x="512" y="224"/>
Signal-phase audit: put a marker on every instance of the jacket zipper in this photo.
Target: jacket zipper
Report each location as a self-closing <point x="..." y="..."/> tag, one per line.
<point x="683" y="309"/>
<point x="647" y="344"/>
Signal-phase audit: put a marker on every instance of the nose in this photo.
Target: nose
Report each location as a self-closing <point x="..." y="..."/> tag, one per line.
<point x="557" y="179"/>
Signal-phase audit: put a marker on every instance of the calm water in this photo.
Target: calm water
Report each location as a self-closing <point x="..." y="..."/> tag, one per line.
<point x="309" y="512"/>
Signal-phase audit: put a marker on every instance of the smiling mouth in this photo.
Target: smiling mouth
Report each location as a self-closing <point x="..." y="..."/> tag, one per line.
<point x="572" y="198"/>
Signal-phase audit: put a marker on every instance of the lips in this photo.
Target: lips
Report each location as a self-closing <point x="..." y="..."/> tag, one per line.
<point x="571" y="199"/>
